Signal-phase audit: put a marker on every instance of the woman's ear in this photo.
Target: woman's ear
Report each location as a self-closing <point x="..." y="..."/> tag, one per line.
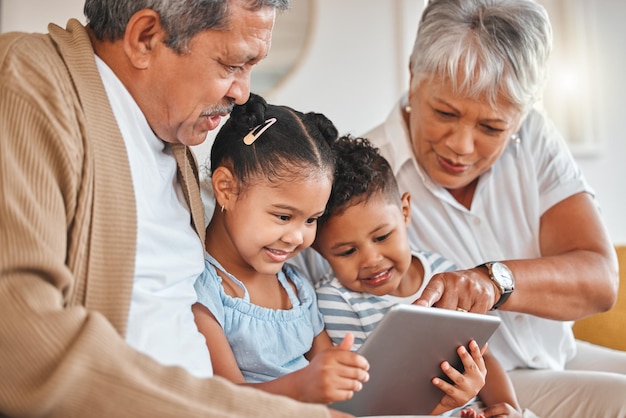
<point x="224" y="187"/>
<point x="405" y="206"/>
<point x="143" y="35"/>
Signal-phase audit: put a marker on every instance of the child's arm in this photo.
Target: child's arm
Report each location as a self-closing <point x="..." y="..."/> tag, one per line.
<point x="333" y="374"/>
<point x="222" y="357"/>
<point x="466" y="385"/>
<point x="498" y="393"/>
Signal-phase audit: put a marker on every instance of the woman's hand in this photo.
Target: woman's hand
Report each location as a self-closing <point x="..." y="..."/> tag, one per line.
<point x="471" y="290"/>
<point x="465" y="386"/>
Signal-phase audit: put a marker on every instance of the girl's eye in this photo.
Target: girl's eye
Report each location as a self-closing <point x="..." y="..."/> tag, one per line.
<point x="311" y="221"/>
<point x="382" y="237"/>
<point x="283" y="217"/>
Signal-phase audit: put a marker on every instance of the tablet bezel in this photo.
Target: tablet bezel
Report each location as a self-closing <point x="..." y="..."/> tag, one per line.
<point x="405" y="352"/>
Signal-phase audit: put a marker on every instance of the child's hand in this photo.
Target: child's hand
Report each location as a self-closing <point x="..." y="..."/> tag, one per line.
<point x="502" y="409"/>
<point x="466" y="385"/>
<point x="334" y="374"/>
<point x="470" y="413"/>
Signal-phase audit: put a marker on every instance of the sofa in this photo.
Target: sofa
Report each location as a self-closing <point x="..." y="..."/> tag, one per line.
<point x="608" y="328"/>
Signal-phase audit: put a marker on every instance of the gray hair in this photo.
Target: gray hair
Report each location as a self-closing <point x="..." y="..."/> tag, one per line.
<point x="182" y="19"/>
<point x="497" y="48"/>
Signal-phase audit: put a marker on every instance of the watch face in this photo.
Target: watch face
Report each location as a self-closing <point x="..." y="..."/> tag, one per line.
<point x="502" y="273"/>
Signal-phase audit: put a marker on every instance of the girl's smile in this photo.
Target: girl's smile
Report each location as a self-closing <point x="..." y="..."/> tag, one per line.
<point x="268" y="223"/>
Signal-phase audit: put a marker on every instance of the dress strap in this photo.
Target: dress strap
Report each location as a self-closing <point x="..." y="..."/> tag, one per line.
<point x="218" y="266"/>
<point x="282" y="278"/>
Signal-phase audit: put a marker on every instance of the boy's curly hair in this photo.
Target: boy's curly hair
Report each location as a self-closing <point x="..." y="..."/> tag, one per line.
<point x="360" y="173"/>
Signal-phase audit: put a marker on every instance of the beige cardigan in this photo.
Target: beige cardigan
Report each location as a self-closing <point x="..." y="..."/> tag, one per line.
<point x="67" y="247"/>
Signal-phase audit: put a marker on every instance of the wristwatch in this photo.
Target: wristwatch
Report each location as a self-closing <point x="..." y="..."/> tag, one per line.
<point x="503" y="278"/>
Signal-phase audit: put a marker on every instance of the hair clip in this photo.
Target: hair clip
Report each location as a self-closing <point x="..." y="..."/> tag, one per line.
<point x="256" y="132"/>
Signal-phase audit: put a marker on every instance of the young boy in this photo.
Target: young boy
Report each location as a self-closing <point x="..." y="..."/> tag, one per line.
<point x="363" y="236"/>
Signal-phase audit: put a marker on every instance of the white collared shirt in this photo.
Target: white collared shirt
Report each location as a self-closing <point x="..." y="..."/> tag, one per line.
<point x="169" y="252"/>
<point x="502" y="224"/>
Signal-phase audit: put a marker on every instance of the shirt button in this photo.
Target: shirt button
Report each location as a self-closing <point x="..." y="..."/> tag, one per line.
<point x="476" y="221"/>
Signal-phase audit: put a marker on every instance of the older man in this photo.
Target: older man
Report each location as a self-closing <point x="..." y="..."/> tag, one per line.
<point x="101" y="219"/>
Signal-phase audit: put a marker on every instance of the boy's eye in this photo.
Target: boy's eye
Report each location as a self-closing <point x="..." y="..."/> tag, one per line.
<point x="283" y="217"/>
<point x="311" y="220"/>
<point x="346" y="253"/>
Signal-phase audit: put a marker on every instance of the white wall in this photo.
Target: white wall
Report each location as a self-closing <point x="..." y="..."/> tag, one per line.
<point x="607" y="172"/>
<point x="356" y="68"/>
<point x="34" y="15"/>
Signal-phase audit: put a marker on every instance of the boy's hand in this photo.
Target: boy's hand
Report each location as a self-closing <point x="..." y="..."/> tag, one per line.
<point x="466" y="385"/>
<point x="334" y="374"/>
<point x="501" y="410"/>
<point x="470" y="413"/>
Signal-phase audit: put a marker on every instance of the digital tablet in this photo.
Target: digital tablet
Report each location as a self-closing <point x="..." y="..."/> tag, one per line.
<point x="405" y="352"/>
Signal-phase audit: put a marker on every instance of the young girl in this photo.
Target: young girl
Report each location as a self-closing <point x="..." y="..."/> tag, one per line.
<point x="363" y="236"/>
<point x="271" y="172"/>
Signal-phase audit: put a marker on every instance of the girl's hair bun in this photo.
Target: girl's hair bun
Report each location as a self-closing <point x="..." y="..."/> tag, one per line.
<point x="325" y="126"/>
<point x="250" y="114"/>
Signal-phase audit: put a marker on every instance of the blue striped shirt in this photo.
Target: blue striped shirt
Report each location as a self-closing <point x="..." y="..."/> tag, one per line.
<point x="358" y="313"/>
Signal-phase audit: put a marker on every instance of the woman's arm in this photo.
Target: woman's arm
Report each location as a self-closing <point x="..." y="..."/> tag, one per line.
<point x="576" y="276"/>
<point x="578" y="273"/>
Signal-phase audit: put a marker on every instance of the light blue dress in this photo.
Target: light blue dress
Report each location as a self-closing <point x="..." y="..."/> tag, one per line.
<point x="267" y="343"/>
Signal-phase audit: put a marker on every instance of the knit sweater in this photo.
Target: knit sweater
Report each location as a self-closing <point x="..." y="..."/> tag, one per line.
<point x="67" y="251"/>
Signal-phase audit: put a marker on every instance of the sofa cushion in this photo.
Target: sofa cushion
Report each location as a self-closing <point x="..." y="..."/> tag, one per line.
<point x="608" y="328"/>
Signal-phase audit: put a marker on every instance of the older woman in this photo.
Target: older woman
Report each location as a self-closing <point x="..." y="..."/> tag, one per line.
<point x="495" y="187"/>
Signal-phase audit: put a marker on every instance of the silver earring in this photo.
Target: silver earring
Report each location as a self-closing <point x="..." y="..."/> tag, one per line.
<point x="222" y="208"/>
<point x="407" y="109"/>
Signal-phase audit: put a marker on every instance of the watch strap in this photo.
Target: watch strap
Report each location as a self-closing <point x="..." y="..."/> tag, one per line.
<point x="504" y="293"/>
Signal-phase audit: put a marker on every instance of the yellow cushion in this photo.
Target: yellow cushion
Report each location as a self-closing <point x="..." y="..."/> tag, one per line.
<point x="608" y="328"/>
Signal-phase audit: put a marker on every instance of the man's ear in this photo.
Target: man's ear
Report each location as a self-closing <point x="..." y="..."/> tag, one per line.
<point x="143" y="35"/>
<point x="224" y="187"/>
<point x="405" y="206"/>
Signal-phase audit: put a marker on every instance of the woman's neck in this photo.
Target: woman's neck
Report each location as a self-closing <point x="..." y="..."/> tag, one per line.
<point x="465" y="195"/>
